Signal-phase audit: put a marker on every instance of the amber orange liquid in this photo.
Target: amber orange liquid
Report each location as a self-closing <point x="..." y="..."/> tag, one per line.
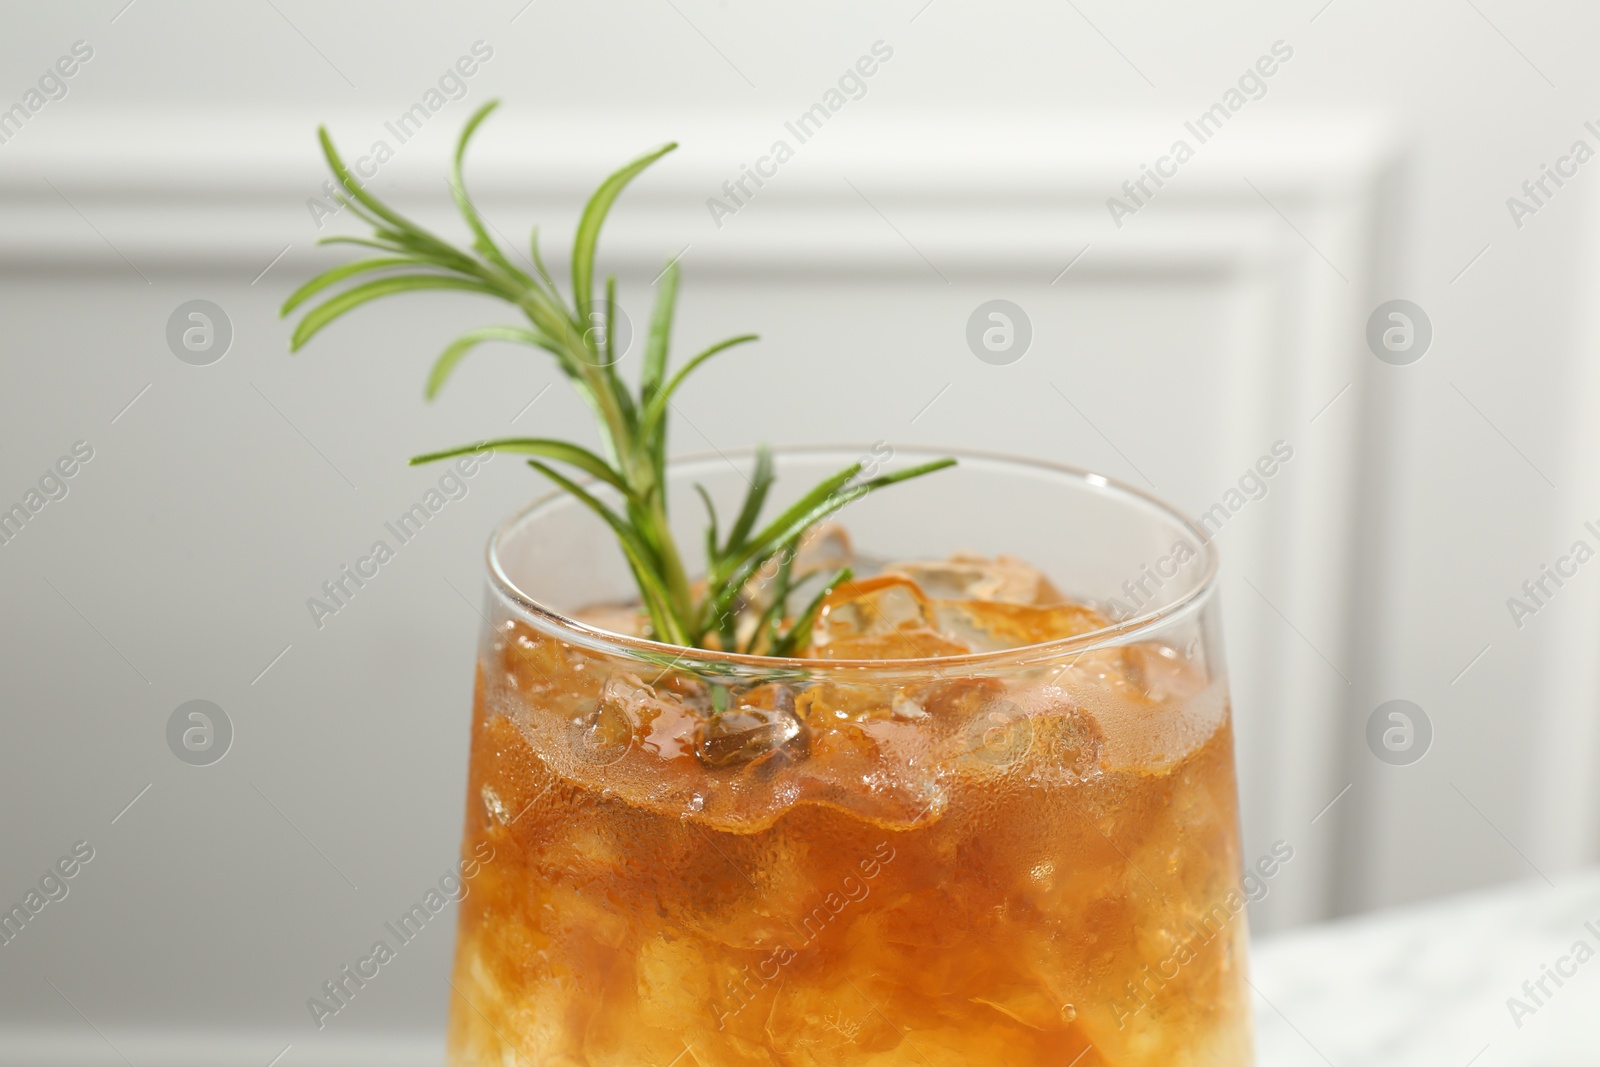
<point x="1076" y="903"/>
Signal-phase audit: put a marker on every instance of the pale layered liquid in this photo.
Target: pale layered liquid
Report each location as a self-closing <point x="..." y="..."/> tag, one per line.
<point x="1039" y="867"/>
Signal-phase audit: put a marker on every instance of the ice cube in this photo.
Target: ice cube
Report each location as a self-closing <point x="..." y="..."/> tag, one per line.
<point x="831" y="1023"/>
<point x="953" y="701"/>
<point x="1042" y="730"/>
<point x="628" y="710"/>
<point x="604" y="735"/>
<point x="1000" y="734"/>
<point x="1161" y="674"/>
<point x="826" y="547"/>
<point x="672" y="980"/>
<point x="988" y="626"/>
<point x="821" y="704"/>
<point x="873" y="607"/>
<point x="885" y="617"/>
<point x="968" y="576"/>
<point x="907" y="709"/>
<point x="909" y="643"/>
<point x="1064" y="732"/>
<point x="670" y="735"/>
<point x="760" y="723"/>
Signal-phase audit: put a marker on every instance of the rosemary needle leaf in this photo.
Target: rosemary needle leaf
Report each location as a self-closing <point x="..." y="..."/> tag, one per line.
<point x="655" y="352"/>
<point x="760" y="481"/>
<point x="335" y="275"/>
<point x="354" y="190"/>
<point x="323" y="314"/>
<point x="773" y="536"/>
<point x="826" y="498"/>
<point x="767" y="625"/>
<point x="799" y="635"/>
<point x="469" y="211"/>
<point x="458" y="349"/>
<point x="609" y="356"/>
<point x="656" y="411"/>
<point x="657" y="601"/>
<point x="404" y="232"/>
<point x="469" y="129"/>
<point x="365" y="242"/>
<point x="458" y="186"/>
<point x="737" y="568"/>
<point x="910" y="472"/>
<point x="547" y="448"/>
<point x="587" y="238"/>
<point x="711" y="527"/>
<point x="538" y="263"/>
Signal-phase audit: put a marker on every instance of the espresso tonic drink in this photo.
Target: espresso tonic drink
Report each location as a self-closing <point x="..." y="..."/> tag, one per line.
<point x="987" y="817"/>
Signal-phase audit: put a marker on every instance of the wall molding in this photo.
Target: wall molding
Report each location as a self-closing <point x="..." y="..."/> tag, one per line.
<point x="970" y="192"/>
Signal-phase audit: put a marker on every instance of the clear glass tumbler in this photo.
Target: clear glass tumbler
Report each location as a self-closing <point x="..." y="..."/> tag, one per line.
<point x="1026" y="856"/>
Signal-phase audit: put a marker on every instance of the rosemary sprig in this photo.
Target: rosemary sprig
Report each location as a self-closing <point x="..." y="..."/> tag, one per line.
<point x="632" y="425"/>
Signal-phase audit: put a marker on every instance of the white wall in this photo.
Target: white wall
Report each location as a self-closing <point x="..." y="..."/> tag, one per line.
<point x="1219" y="319"/>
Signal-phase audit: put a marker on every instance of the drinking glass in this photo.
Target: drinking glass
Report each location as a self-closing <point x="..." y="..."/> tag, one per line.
<point x="1025" y="856"/>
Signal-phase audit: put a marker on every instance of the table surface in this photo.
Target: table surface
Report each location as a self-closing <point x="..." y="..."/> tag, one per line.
<point x="1433" y="984"/>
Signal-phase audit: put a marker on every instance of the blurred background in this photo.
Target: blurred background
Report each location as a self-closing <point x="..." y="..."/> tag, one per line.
<point x="1373" y="251"/>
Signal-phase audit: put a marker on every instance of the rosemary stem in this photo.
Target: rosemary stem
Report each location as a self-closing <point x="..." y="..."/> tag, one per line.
<point x="672" y="569"/>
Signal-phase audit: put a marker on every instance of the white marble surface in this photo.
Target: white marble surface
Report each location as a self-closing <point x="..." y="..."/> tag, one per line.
<point x="1429" y="984"/>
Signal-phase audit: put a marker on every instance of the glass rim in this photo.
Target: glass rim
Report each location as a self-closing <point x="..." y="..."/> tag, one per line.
<point x="595" y="638"/>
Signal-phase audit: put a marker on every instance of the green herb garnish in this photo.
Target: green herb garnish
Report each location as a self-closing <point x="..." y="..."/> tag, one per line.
<point x="632" y="425"/>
